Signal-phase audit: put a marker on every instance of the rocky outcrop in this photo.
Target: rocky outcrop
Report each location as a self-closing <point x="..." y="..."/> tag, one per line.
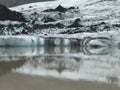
<point x="48" y="19"/>
<point x="76" y="23"/>
<point x="59" y="25"/>
<point x="48" y="26"/>
<point x="7" y="14"/>
<point x="59" y="9"/>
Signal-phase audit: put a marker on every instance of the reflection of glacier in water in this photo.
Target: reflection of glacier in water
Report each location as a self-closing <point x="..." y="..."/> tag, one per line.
<point x="51" y="50"/>
<point x="75" y="63"/>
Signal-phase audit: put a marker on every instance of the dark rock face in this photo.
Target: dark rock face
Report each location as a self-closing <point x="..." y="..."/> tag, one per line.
<point x="49" y="10"/>
<point x="76" y="23"/>
<point x="46" y="26"/>
<point x="24" y="32"/>
<point x="71" y="8"/>
<point x="60" y="8"/>
<point x="116" y="25"/>
<point x="6" y="14"/>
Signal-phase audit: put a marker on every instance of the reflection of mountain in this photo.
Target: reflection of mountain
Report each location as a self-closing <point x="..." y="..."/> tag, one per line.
<point x="51" y="50"/>
<point x="58" y="64"/>
<point x="6" y="67"/>
<point x="92" y="68"/>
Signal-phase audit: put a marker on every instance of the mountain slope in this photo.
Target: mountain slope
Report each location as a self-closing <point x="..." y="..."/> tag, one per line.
<point x="100" y="15"/>
<point x="91" y="10"/>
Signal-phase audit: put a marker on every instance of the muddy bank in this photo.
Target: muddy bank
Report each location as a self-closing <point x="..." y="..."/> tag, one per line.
<point x="14" y="81"/>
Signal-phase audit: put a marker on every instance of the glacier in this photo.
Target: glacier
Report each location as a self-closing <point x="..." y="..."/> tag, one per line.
<point x="107" y="15"/>
<point x="66" y="53"/>
<point x="101" y="39"/>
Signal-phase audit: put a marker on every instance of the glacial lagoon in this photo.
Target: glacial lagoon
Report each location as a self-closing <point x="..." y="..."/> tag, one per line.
<point x="56" y="68"/>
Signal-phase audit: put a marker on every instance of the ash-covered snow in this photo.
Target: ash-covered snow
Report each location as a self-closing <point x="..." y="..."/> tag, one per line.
<point x="95" y="15"/>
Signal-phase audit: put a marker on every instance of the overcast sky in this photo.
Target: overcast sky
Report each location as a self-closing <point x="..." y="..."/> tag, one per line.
<point x="10" y="3"/>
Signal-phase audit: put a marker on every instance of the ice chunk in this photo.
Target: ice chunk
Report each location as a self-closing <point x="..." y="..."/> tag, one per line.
<point x="21" y="41"/>
<point x="97" y="42"/>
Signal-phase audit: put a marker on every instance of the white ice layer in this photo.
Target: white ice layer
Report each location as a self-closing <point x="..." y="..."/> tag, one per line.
<point x="21" y="41"/>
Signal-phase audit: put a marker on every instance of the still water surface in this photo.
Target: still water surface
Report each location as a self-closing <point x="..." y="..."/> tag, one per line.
<point x="59" y="68"/>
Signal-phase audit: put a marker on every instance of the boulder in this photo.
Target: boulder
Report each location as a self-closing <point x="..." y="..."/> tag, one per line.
<point x="7" y="14"/>
<point x="76" y="23"/>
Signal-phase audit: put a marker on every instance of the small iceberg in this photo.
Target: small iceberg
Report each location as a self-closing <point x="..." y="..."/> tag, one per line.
<point x="97" y="42"/>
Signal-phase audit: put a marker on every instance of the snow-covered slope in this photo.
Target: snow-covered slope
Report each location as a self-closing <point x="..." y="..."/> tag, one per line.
<point x="91" y="10"/>
<point x="95" y="15"/>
